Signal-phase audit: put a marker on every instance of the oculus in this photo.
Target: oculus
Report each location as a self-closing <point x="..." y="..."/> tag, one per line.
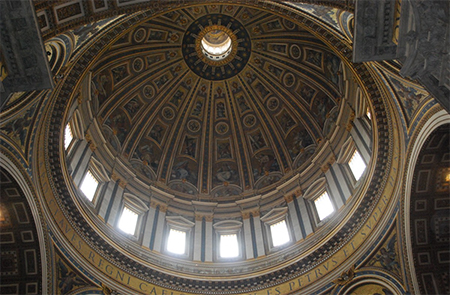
<point x="215" y="51"/>
<point x="216" y="45"/>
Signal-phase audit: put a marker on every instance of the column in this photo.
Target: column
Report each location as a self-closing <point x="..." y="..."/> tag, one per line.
<point x="198" y="238"/>
<point x="160" y="228"/>
<point x="258" y="234"/>
<point x="294" y="217"/>
<point x="110" y="191"/>
<point x="362" y="139"/>
<point x="304" y="217"/>
<point x="114" y="207"/>
<point x="148" y="227"/>
<point x="248" y="236"/>
<point x="81" y="165"/>
<point x="208" y="239"/>
<point x="334" y="191"/>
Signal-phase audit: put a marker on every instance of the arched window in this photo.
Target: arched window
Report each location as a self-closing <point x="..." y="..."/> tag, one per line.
<point x="89" y="185"/>
<point x="132" y="213"/>
<point x="357" y="165"/>
<point x="176" y="242"/>
<point x="324" y="206"/>
<point x="276" y="227"/>
<point x="179" y="235"/>
<point x="228" y="232"/>
<point x="68" y="136"/>
<point x="279" y="232"/>
<point x="229" y="246"/>
<point x="128" y="221"/>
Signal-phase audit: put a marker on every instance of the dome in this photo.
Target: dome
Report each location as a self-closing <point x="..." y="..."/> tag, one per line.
<point x="223" y="148"/>
<point x="215" y="130"/>
<point x="214" y="118"/>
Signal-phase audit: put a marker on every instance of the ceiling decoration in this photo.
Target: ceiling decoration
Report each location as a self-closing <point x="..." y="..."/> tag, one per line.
<point x="143" y="97"/>
<point x="214" y="68"/>
<point x="429" y="212"/>
<point x="216" y="129"/>
<point x="20" y="260"/>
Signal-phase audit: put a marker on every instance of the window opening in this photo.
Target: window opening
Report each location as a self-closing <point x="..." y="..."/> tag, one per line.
<point x="357" y="165"/>
<point x="68" y="136"/>
<point x="229" y="247"/>
<point x="176" y="242"/>
<point x="324" y="206"/>
<point x="216" y="45"/>
<point x="280" y="234"/>
<point x="128" y="221"/>
<point x="89" y="185"/>
<point x="368" y="114"/>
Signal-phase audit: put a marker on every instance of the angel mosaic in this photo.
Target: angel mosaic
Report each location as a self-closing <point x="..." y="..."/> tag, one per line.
<point x="386" y="258"/>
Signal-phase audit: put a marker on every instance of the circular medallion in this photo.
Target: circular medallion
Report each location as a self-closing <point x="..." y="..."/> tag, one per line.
<point x="168" y="113"/>
<point x="216" y="47"/>
<point x="289" y="80"/>
<point x="139" y="35"/>
<point x="249" y="121"/>
<point x="222" y="128"/>
<point x="272" y="103"/>
<point x="295" y="51"/>
<point x="193" y="126"/>
<point x="148" y="91"/>
<point x="138" y="64"/>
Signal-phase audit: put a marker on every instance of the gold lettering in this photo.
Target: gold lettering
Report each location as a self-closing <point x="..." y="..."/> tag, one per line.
<point x="91" y="256"/>
<point x="110" y="272"/>
<point x="309" y="280"/>
<point x="292" y="285"/>
<point x="121" y="276"/>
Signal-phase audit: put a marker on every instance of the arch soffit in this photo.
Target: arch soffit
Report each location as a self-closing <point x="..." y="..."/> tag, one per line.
<point x="8" y="162"/>
<point x="436" y="118"/>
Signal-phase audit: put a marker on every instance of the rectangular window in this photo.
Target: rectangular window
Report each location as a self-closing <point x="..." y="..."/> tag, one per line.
<point x="176" y="242"/>
<point x="357" y="165"/>
<point x="280" y="234"/>
<point x="89" y="185"/>
<point x="324" y="206"/>
<point x="128" y="221"/>
<point x="67" y="136"/>
<point x="229" y="247"/>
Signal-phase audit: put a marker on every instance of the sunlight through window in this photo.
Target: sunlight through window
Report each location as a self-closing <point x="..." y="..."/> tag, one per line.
<point x="176" y="242"/>
<point x="324" y="206"/>
<point x="89" y="185"/>
<point x="128" y="221"/>
<point x="357" y="165"/>
<point x="229" y="247"/>
<point x="368" y="114"/>
<point x="280" y="234"/>
<point x="67" y="136"/>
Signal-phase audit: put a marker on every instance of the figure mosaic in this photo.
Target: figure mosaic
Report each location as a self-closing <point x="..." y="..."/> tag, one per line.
<point x="314" y="57"/>
<point x="182" y="171"/>
<point x="157" y="133"/>
<point x="119" y="73"/>
<point x="132" y="107"/>
<point x="189" y="146"/>
<point x="387" y="256"/>
<point x="68" y="280"/>
<point x="223" y="150"/>
<point x="146" y="153"/>
<point x="257" y="141"/>
<point x="225" y="173"/>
